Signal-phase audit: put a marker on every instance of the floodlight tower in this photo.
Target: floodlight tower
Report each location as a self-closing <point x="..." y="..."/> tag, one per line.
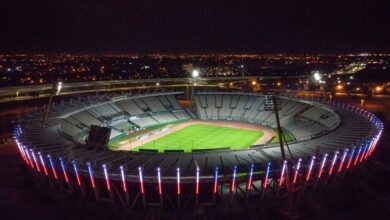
<point x="56" y="89"/>
<point x="195" y="74"/>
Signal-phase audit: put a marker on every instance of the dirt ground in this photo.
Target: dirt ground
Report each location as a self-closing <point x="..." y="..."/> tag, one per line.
<point x="161" y="132"/>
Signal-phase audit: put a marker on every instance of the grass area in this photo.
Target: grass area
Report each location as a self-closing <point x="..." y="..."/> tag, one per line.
<point x="122" y="139"/>
<point x="201" y="136"/>
<point x="286" y="134"/>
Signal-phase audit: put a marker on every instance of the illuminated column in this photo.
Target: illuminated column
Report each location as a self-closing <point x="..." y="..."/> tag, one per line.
<point x="178" y="190"/>
<point x="310" y="168"/>
<point x="333" y="163"/>
<point x="35" y="161"/>
<point x="342" y="160"/>
<point x="297" y="171"/>
<point x="76" y="172"/>
<point x="357" y="156"/>
<point x="107" y="177"/>
<point x="215" y="183"/>
<point x="249" y="184"/>
<point x="64" y="170"/>
<point x="29" y="158"/>
<point x="159" y="185"/>
<point x="350" y="158"/>
<point x="53" y="169"/>
<point x="197" y="186"/>
<point x="365" y="150"/>
<point x="91" y="175"/>
<point x="43" y="164"/>
<point x="266" y="175"/>
<point x="323" y="164"/>
<point x="124" y="186"/>
<point x="233" y="183"/>
<point x="282" y="173"/>
<point x="141" y="184"/>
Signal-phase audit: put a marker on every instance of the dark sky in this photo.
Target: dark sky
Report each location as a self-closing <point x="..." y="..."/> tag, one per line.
<point x="262" y="26"/>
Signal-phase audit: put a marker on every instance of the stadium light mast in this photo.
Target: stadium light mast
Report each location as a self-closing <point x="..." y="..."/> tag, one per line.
<point x="195" y="74"/>
<point x="56" y="89"/>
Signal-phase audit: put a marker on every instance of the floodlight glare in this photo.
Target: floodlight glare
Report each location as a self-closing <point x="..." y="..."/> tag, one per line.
<point x="317" y="76"/>
<point x="195" y="73"/>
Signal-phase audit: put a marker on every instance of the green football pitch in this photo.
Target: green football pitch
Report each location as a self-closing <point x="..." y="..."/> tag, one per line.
<point x="202" y="136"/>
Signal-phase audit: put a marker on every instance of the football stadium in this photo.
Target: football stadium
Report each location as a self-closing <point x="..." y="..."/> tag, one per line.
<point x="182" y="148"/>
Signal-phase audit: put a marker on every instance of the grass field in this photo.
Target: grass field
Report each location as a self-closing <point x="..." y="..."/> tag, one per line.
<point x="201" y="136"/>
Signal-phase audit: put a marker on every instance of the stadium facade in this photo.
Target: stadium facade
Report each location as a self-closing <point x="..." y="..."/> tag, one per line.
<point x="330" y="139"/>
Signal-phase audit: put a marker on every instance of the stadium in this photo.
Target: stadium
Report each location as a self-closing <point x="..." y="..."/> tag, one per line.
<point x="180" y="149"/>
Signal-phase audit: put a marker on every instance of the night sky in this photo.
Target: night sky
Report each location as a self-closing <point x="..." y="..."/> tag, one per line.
<point x="262" y="26"/>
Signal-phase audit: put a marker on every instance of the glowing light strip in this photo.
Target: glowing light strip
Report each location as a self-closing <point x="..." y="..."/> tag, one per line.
<point x="35" y="160"/>
<point x="350" y="158"/>
<point x="178" y="180"/>
<point x="197" y="181"/>
<point x="282" y="173"/>
<point x="20" y="150"/>
<point x="370" y="144"/>
<point x="323" y="164"/>
<point x="365" y="150"/>
<point x="53" y="169"/>
<point x="233" y="185"/>
<point x="91" y="175"/>
<point x="29" y="158"/>
<point x="64" y="170"/>
<point x="342" y="160"/>
<point x="124" y="186"/>
<point x="107" y="178"/>
<point x="76" y="172"/>
<point x="333" y="163"/>
<point x="141" y="181"/>
<point x="43" y="164"/>
<point x="297" y="171"/>
<point x="357" y="156"/>
<point x="266" y="175"/>
<point x="159" y="181"/>
<point x="310" y="168"/>
<point x="249" y="186"/>
<point x="216" y="180"/>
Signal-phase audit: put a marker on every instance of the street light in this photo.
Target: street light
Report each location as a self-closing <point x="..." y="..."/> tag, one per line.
<point x="194" y="74"/>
